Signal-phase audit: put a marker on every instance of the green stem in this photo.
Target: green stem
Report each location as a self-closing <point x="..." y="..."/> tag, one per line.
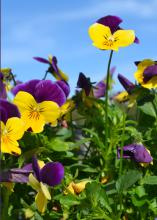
<point x="106" y="100"/>
<point x="5" y="204"/>
<point x="121" y="159"/>
<point x="13" y="78"/>
<point x="45" y="74"/>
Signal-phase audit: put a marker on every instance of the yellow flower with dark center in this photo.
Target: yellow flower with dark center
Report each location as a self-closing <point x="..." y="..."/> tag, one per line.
<point x="104" y="39"/>
<point x="146" y="74"/>
<point x="36" y="115"/>
<point x="12" y="131"/>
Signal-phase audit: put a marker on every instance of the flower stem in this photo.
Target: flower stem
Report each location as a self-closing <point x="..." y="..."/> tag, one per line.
<point x="106" y="100"/>
<point x="45" y="74"/>
<point x="5" y="204"/>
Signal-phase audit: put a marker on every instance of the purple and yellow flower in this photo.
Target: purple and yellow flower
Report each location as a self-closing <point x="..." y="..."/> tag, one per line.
<point x="39" y="102"/>
<point x="53" y="67"/>
<point x="11" y="127"/>
<point x="146" y="74"/>
<point x="136" y="152"/>
<point x="107" y="35"/>
<point x="51" y="174"/>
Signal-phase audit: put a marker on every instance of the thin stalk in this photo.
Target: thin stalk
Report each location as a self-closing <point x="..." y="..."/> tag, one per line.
<point x="106" y="100"/>
<point x="5" y="205"/>
<point x="121" y="159"/>
<point x="45" y="74"/>
<point x="13" y="78"/>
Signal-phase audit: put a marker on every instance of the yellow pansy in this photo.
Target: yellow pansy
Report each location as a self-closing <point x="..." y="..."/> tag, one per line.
<point x="12" y="131"/>
<point x="104" y="39"/>
<point x="36" y="115"/>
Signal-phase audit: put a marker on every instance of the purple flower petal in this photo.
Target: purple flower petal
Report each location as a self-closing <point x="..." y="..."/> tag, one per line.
<point x="149" y="72"/>
<point x="112" y="71"/>
<point x="13" y="177"/>
<point x="26" y="87"/>
<point x="137" y="41"/>
<point x="128" y="86"/>
<point x="42" y="60"/>
<point x="54" y="65"/>
<point x="52" y="173"/>
<point x="84" y="83"/>
<point x="64" y="86"/>
<point x="100" y="89"/>
<point x="8" y="110"/>
<point x="49" y="91"/>
<point x="36" y="168"/>
<point x="111" y="21"/>
<point x="135" y="152"/>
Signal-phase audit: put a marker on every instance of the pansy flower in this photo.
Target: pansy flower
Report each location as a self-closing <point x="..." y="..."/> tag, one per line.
<point x="136" y="152"/>
<point x="39" y="102"/>
<point x="146" y="74"/>
<point x="11" y="128"/>
<point x="76" y="188"/>
<point x="106" y="34"/>
<point x="51" y="175"/>
<point x="53" y="67"/>
<point x="84" y="83"/>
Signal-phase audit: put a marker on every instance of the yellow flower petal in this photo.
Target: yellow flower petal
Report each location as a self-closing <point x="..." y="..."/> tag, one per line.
<point x="15" y="128"/>
<point x="99" y="34"/>
<point x="24" y="101"/>
<point x="41" y="202"/>
<point x="34" y="182"/>
<point x="123" y="38"/>
<point x="49" y="110"/>
<point x="45" y="191"/>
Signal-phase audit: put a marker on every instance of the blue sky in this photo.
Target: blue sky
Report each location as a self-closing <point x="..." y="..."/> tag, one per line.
<point x="39" y="28"/>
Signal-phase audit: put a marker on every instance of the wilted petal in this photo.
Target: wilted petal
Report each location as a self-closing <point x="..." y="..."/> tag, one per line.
<point x="64" y="86"/>
<point x="111" y="21"/>
<point x="52" y="173"/>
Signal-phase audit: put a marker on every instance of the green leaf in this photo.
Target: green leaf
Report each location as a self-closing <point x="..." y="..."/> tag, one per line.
<point x="58" y="145"/>
<point x="150" y="180"/>
<point x="148" y="109"/>
<point x="127" y="180"/>
<point x="69" y="200"/>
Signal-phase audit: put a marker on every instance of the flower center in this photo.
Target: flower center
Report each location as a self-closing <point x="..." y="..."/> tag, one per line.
<point x="34" y="112"/>
<point x="109" y="40"/>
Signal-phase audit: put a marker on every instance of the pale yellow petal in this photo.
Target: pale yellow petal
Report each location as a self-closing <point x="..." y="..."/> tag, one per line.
<point x="41" y="202"/>
<point x="45" y="191"/>
<point x="34" y="182"/>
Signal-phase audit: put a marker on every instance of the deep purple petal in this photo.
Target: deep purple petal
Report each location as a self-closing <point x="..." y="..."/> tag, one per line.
<point x="42" y="60"/>
<point x="54" y="65"/>
<point x="36" y="168"/>
<point x="26" y="87"/>
<point x="52" y="173"/>
<point x="149" y="72"/>
<point x="84" y="83"/>
<point x="49" y="91"/>
<point x="64" y="86"/>
<point x="136" y="41"/>
<point x="8" y="110"/>
<point x="128" y="86"/>
<point x="100" y="89"/>
<point x="111" y="21"/>
<point x="141" y="155"/>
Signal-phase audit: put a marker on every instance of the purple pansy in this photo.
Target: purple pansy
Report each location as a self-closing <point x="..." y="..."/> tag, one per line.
<point x="8" y="110"/>
<point x="136" y="152"/>
<point x="45" y="90"/>
<point x="51" y="174"/>
<point x="128" y="86"/>
<point x="113" y="23"/>
<point x="100" y="89"/>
